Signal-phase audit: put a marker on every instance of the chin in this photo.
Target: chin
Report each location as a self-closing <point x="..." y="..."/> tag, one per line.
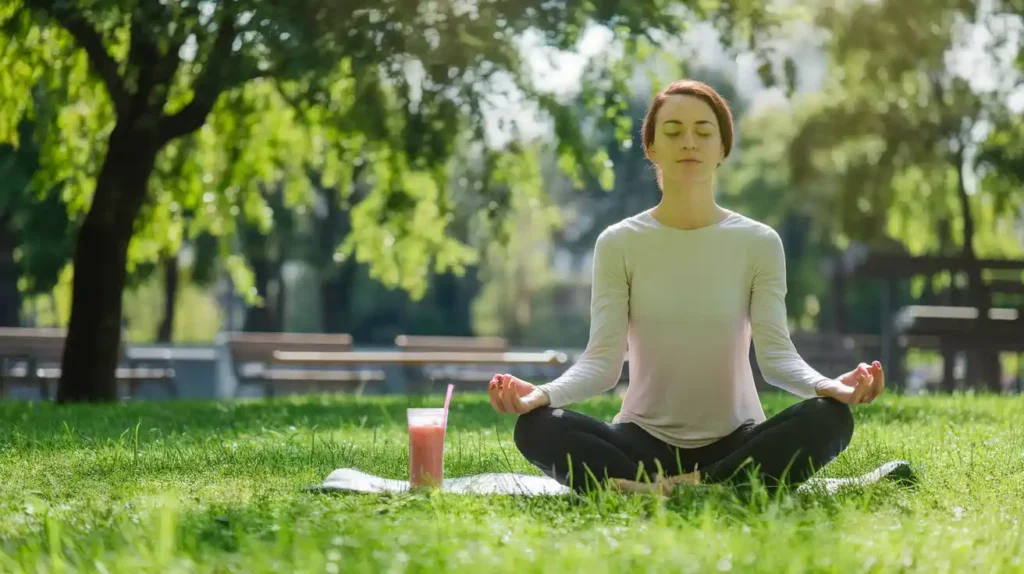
<point x="691" y="174"/>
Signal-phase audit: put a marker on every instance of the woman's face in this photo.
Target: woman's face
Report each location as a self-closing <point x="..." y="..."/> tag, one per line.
<point x="687" y="144"/>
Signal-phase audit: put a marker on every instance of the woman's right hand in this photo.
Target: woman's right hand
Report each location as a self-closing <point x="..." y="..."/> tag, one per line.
<point x="513" y="395"/>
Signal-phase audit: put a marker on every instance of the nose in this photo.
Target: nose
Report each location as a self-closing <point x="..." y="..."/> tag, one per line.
<point x="689" y="140"/>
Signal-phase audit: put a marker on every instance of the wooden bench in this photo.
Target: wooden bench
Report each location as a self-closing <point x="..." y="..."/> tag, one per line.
<point x="937" y="326"/>
<point x="422" y="359"/>
<point x="32" y="357"/>
<point x="252" y="358"/>
<point x="446" y="343"/>
<point x="947" y="328"/>
<point x="429" y="374"/>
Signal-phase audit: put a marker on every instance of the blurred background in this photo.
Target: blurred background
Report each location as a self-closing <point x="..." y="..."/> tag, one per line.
<point x="443" y="168"/>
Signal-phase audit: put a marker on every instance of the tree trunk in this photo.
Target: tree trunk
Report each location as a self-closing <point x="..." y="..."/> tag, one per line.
<point x="948" y="363"/>
<point x="10" y="297"/>
<point x="166" y="329"/>
<point x="261" y="319"/>
<point x="983" y="364"/>
<point x="337" y="279"/>
<point x="336" y="291"/>
<point x="282" y="297"/>
<point x="91" y="350"/>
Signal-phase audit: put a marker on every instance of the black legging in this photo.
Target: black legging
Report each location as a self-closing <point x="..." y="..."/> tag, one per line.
<point x="786" y="449"/>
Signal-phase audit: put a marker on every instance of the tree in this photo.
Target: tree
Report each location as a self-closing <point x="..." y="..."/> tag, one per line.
<point x="889" y="152"/>
<point x="34" y="230"/>
<point x="135" y="87"/>
<point x="757" y="182"/>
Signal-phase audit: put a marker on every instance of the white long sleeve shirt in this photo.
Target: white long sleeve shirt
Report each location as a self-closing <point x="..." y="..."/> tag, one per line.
<point x="685" y="305"/>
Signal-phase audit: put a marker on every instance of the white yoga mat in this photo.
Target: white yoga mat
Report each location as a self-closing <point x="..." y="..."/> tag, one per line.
<point x="350" y="479"/>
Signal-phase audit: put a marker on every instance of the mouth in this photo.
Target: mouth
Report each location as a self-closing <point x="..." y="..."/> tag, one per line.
<point x="690" y="161"/>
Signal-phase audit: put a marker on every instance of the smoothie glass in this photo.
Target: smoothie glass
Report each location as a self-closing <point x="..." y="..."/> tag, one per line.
<point x="426" y="446"/>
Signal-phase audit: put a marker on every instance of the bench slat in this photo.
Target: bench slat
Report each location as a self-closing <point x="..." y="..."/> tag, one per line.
<point x="327" y="376"/>
<point x="252" y="356"/>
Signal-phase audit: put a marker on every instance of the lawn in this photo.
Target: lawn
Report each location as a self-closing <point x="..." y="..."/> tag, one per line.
<point x="218" y="487"/>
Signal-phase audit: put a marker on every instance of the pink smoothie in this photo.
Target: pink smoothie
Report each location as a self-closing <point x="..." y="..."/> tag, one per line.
<point x="426" y="455"/>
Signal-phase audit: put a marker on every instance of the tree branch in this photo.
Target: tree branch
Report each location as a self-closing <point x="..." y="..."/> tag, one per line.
<point x="151" y="71"/>
<point x="72" y="20"/>
<point x="216" y="76"/>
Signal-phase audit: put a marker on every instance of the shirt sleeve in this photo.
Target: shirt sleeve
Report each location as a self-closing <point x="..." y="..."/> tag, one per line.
<point x="600" y="366"/>
<point x="777" y="357"/>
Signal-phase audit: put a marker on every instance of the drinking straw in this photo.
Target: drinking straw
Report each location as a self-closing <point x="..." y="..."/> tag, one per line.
<point x="447" y="401"/>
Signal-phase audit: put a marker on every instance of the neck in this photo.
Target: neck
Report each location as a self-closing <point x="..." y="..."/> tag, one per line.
<point x="688" y="206"/>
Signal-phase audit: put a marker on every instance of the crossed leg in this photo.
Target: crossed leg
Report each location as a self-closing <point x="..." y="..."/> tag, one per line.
<point x="582" y="452"/>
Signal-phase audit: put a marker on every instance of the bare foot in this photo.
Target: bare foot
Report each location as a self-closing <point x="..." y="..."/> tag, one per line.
<point x="663" y="485"/>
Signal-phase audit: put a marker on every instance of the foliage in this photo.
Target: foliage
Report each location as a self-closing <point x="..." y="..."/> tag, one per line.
<point x="288" y="91"/>
<point x="37" y="219"/>
<point x="889" y="147"/>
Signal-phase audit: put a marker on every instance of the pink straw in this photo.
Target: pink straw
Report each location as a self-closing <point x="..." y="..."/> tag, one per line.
<point x="447" y="401"/>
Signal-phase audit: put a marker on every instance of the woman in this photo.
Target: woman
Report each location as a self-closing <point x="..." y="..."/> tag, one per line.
<point x="688" y="285"/>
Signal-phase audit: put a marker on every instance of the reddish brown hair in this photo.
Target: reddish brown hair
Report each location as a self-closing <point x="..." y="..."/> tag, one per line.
<point x="696" y="89"/>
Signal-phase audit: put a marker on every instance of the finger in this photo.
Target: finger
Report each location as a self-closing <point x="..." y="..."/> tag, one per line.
<point x="497" y="395"/>
<point x="503" y="393"/>
<point x="879" y="375"/>
<point x="522" y="388"/>
<point x="869" y="388"/>
<point x="863" y="371"/>
<point x="869" y="392"/>
<point x="493" y="395"/>
<point x="862" y="389"/>
<point x="507" y="394"/>
<point x="513" y="399"/>
<point x="851" y="397"/>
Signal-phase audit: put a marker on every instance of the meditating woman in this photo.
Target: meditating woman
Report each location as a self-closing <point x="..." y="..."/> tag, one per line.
<point x="687" y="284"/>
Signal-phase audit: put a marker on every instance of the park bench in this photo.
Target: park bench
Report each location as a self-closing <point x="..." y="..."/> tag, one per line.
<point x="252" y="358"/>
<point x="958" y="328"/>
<point x="408" y="359"/>
<point x="937" y="326"/>
<point x="32" y="357"/>
<point x="472" y="375"/>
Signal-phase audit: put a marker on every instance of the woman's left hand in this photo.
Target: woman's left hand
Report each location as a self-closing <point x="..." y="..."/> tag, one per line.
<point x="860" y="386"/>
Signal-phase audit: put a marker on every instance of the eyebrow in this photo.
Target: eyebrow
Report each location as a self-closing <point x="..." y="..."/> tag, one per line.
<point x="681" y="123"/>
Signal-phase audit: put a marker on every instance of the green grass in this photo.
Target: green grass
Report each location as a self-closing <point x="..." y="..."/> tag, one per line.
<point x="213" y="487"/>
